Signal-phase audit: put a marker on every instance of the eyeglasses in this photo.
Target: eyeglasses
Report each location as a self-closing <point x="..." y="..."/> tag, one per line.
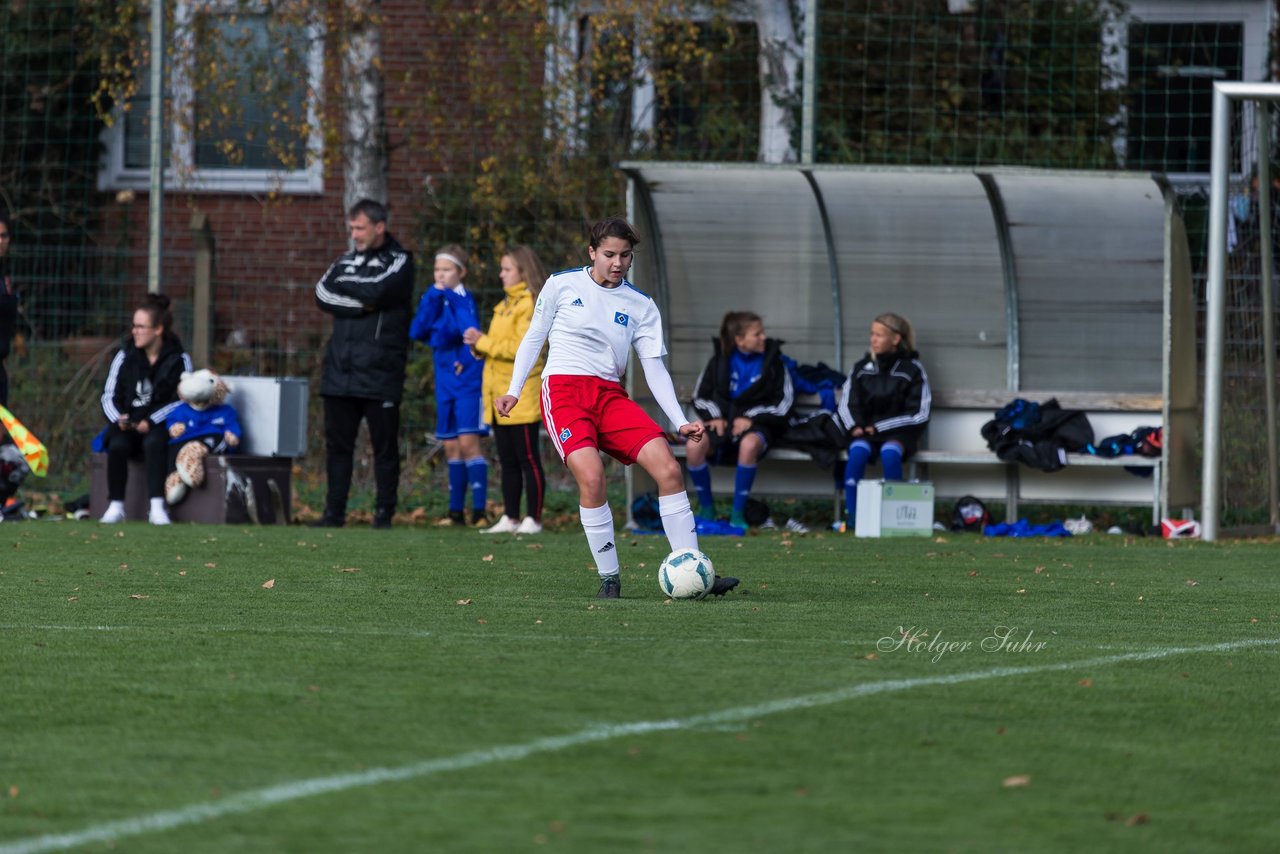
<point x="143" y="326"/>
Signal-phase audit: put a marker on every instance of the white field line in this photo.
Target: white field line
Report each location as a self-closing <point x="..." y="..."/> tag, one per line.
<point x="258" y="799"/>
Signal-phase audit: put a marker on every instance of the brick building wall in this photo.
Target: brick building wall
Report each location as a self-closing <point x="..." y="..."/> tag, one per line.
<point x="269" y="252"/>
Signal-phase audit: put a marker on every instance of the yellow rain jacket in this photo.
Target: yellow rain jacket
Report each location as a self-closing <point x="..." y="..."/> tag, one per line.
<point x="511" y="319"/>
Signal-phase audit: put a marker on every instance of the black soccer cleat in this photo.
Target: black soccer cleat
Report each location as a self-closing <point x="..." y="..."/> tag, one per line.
<point x="610" y="587"/>
<point x="382" y="520"/>
<point x="723" y="584"/>
<point x="327" y="521"/>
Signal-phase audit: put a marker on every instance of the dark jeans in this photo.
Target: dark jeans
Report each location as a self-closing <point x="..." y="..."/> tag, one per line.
<point x="521" y="468"/>
<point x="4" y="385"/>
<point x="341" y="425"/>
<point x="123" y="445"/>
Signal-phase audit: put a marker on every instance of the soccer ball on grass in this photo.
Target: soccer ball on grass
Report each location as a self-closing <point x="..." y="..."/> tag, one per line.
<point x="686" y="574"/>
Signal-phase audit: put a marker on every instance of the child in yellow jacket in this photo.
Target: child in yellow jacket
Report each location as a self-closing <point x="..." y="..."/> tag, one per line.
<point x="516" y="435"/>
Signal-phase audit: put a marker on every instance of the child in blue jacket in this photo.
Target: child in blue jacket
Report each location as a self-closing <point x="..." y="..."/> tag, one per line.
<point x="447" y="310"/>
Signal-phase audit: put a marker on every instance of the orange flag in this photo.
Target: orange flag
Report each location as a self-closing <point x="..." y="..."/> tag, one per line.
<point x="32" y="449"/>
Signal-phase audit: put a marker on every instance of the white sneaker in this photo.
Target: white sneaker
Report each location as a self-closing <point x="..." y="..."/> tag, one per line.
<point x="529" y="525"/>
<point x="158" y="516"/>
<point x="1078" y="526"/>
<point x="796" y="526"/>
<point x="505" y="525"/>
<point x="114" y="514"/>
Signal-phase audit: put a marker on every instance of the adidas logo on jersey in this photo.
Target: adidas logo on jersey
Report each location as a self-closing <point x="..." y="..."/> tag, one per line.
<point x="577" y="302"/>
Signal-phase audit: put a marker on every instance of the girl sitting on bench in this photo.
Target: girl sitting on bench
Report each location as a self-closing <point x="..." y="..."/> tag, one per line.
<point x="884" y="404"/>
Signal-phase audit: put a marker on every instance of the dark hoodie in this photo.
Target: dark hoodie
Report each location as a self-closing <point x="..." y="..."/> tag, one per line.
<point x="890" y="393"/>
<point x="8" y="308"/>
<point x="766" y="401"/>
<point x="141" y="390"/>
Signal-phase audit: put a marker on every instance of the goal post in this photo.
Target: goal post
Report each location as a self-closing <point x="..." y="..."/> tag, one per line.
<point x="1224" y="95"/>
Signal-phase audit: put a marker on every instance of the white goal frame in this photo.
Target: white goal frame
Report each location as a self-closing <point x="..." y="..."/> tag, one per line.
<point x="1215" y="316"/>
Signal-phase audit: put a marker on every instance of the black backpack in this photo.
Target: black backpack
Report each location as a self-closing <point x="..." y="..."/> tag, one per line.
<point x="644" y="512"/>
<point x="970" y="514"/>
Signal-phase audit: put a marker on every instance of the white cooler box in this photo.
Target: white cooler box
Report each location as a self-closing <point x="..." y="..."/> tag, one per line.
<point x="894" y="508"/>
<point x="273" y="413"/>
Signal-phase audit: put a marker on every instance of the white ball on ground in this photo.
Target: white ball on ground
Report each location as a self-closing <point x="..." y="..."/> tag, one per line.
<point x="686" y="574"/>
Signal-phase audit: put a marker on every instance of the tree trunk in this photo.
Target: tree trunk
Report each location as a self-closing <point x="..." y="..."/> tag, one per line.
<point x="779" y="79"/>
<point x="364" y="139"/>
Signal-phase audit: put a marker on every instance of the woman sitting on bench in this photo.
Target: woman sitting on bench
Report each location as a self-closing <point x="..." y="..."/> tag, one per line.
<point x="744" y="396"/>
<point x="884" y="405"/>
<point x="141" y="391"/>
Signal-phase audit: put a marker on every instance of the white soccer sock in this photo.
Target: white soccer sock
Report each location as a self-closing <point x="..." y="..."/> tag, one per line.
<point x="678" y="521"/>
<point x="598" y="523"/>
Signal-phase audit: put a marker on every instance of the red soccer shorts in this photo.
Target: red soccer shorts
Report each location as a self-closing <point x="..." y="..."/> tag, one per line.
<point x="588" y="412"/>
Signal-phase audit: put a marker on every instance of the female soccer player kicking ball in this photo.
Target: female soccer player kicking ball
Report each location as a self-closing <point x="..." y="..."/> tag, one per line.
<point x="591" y="317"/>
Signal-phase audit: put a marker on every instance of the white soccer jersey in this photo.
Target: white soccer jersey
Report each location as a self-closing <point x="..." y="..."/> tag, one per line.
<point x="590" y="328"/>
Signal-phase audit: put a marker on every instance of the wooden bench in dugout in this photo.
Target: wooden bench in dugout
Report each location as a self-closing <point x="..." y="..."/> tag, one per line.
<point x="238" y="489"/>
<point x="955" y="458"/>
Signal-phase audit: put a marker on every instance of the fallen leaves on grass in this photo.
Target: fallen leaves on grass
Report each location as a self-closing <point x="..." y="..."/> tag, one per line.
<point x="973" y="573"/>
<point x="1016" y="781"/>
<point x="1136" y="819"/>
<point x="871" y="656"/>
<point x="210" y="565"/>
<point x="487" y="558"/>
<point x="1191" y="582"/>
<point x="13" y="791"/>
<point x="464" y="601"/>
<point x="349" y="569"/>
<point x="138" y="596"/>
<point x="1085" y="683"/>
<point x="268" y="584"/>
<point x="73" y="598"/>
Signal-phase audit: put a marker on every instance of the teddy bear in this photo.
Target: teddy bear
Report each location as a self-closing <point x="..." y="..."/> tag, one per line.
<point x="202" y="423"/>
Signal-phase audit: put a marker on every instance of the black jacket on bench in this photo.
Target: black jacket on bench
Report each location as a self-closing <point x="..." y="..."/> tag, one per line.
<point x="888" y="392"/>
<point x="766" y="402"/>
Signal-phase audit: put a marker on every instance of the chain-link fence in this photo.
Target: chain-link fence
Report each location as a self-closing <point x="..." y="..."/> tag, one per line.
<point x="502" y="123"/>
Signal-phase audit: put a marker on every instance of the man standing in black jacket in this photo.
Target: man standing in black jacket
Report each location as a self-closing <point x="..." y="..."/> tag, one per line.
<point x="8" y="305"/>
<point x="369" y="292"/>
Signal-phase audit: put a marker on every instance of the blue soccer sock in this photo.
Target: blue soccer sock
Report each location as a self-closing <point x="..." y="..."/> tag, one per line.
<point x="457" y="485"/>
<point x="859" y="453"/>
<point x="742" y="480"/>
<point x="891" y="460"/>
<point x="701" y="477"/>
<point x="478" y="479"/>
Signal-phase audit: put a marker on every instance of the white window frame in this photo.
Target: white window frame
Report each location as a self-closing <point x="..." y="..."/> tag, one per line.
<point x="1256" y="19"/>
<point x="182" y="174"/>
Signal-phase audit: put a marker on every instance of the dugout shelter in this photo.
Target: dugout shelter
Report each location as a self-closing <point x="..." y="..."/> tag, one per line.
<point x="1019" y="283"/>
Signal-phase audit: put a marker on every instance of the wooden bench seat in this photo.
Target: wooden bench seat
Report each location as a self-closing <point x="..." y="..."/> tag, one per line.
<point x="954" y="456"/>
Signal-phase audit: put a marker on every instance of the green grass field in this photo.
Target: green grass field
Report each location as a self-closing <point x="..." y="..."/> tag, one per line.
<point x="421" y="689"/>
